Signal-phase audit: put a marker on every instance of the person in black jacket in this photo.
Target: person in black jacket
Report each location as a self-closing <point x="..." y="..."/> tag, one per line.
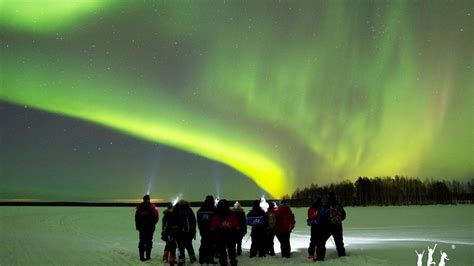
<point x="240" y="214"/>
<point x="169" y="254"/>
<point x="258" y="220"/>
<point x="146" y="217"/>
<point x="336" y="214"/>
<point x="204" y="218"/>
<point x="184" y="230"/>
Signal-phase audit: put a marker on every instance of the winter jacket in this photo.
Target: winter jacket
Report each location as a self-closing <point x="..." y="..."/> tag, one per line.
<point x="146" y="216"/>
<point x="183" y="221"/>
<point x="242" y="219"/>
<point x="204" y="217"/>
<point x="284" y="220"/>
<point x="230" y="222"/>
<point x="257" y="219"/>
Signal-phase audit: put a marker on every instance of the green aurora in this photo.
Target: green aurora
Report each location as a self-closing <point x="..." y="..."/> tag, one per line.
<point x="286" y="92"/>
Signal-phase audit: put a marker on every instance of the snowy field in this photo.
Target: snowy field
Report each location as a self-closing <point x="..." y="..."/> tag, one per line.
<point x="107" y="236"/>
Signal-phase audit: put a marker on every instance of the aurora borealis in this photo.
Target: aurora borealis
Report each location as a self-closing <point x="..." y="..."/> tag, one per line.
<point x="284" y="93"/>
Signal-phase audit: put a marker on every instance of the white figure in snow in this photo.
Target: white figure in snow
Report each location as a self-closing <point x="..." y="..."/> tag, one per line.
<point x="420" y="257"/>
<point x="430" y="260"/>
<point x="444" y="257"/>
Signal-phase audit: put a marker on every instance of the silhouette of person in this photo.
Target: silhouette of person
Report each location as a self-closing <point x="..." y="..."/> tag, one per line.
<point x="225" y="226"/>
<point x="420" y="257"/>
<point x="146" y="217"/>
<point x="208" y="243"/>
<point x="284" y="224"/>
<point x="430" y="256"/>
<point x="240" y="214"/>
<point x="271" y="229"/>
<point x="336" y="214"/>
<point x="257" y="219"/>
<point x="317" y="220"/>
<point x="444" y="257"/>
<point x="183" y="224"/>
<point x="169" y="254"/>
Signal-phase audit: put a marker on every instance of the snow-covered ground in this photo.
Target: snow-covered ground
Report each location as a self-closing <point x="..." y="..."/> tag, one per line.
<point x="106" y="236"/>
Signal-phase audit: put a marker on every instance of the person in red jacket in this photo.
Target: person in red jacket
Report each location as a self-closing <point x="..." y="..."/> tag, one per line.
<point x="146" y="217"/>
<point x="225" y="226"/>
<point x="284" y="224"/>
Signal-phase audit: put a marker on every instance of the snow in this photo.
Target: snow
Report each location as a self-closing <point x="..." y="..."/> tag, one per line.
<point x="106" y="236"/>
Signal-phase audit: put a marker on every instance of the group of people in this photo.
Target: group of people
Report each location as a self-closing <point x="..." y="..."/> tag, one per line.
<point x="325" y="221"/>
<point x="222" y="230"/>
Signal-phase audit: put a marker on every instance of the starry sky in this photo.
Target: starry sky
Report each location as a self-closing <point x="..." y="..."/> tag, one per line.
<point x="106" y="100"/>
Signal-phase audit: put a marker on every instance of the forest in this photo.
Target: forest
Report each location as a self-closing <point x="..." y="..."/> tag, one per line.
<point x="383" y="191"/>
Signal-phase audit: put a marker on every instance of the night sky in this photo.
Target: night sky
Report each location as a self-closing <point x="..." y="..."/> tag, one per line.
<point x="105" y="100"/>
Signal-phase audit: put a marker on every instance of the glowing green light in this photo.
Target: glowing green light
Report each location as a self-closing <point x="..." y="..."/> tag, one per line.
<point x="46" y="15"/>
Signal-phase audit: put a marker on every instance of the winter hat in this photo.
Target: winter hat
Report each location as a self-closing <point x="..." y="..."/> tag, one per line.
<point x="209" y="200"/>
<point x="146" y="198"/>
<point x="236" y="205"/>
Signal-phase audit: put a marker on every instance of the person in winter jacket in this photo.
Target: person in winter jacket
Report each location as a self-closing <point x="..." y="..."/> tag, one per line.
<point x="146" y="217"/>
<point x="225" y="226"/>
<point x="284" y="224"/>
<point x="183" y="229"/>
<point x="169" y="254"/>
<point x="208" y="243"/>
<point x="317" y="219"/>
<point x="258" y="220"/>
<point x="336" y="214"/>
<point x="270" y="250"/>
<point x="240" y="214"/>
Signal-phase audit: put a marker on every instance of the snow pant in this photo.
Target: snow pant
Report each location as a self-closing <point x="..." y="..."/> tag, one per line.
<point x="145" y="243"/>
<point x="185" y="244"/>
<point x="207" y="248"/>
<point x="239" y="244"/>
<point x="319" y="236"/>
<point x="269" y="242"/>
<point x="169" y="254"/>
<point x="284" y="239"/>
<point x="336" y="231"/>
<point x="312" y="240"/>
<point x="258" y="236"/>
<point x="226" y="247"/>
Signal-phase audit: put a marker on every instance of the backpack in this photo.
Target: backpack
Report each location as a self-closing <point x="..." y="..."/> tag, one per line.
<point x="336" y="214"/>
<point x="184" y="221"/>
<point x="313" y="214"/>
<point x="271" y="220"/>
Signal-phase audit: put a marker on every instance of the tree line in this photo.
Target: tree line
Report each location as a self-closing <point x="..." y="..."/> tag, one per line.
<point x="382" y="191"/>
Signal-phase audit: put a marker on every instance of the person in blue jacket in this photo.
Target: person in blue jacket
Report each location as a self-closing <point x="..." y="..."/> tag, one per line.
<point x="258" y="220"/>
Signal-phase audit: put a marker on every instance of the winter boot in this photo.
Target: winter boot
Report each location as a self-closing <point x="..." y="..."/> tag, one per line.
<point x="172" y="260"/>
<point x="148" y="254"/>
<point x="239" y="248"/>
<point x="192" y="259"/>
<point x="142" y="254"/>
<point x="166" y="256"/>
<point x="341" y="252"/>
<point x="181" y="261"/>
